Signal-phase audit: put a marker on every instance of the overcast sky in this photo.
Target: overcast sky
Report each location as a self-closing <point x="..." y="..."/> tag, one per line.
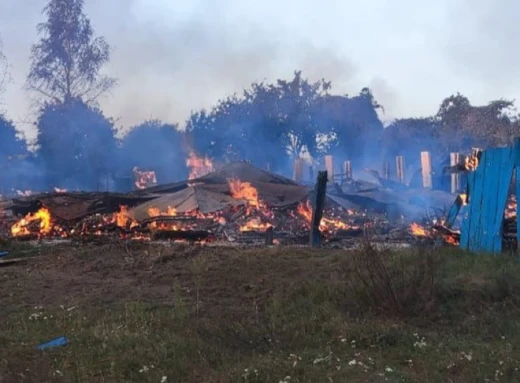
<point x="172" y="57"/>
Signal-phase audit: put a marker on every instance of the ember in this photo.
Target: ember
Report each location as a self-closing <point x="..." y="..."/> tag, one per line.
<point x="144" y="179"/>
<point x="419" y="231"/>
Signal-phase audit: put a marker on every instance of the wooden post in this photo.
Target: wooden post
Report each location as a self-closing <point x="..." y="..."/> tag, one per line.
<point x="399" y="164"/>
<point x="348" y="170"/>
<point x="318" y="203"/>
<point x="386" y="170"/>
<point x="426" y="165"/>
<point x="269" y="236"/>
<point x="298" y="170"/>
<point x="455" y="159"/>
<point x="311" y="173"/>
<point x="329" y="167"/>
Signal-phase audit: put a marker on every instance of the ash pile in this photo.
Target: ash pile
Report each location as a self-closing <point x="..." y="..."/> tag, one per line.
<point x="238" y="203"/>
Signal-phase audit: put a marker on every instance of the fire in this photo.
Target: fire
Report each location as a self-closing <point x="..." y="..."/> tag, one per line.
<point x="255" y="224"/>
<point x="471" y="162"/>
<point x="329" y="224"/>
<point x="144" y="179"/>
<point x="123" y="219"/>
<point x="464" y="198"/>
<point x="156" y="212"/>
<point x="418" y="230"/>
<point x="246" y="191"/>
<point x="304" y="209"/>
<point x="198" y="166"/>
<point x="58" y="190"/>
<point x="450" y="240"/>
<point x="43" y="215"/>
<point x="511" y="207"/>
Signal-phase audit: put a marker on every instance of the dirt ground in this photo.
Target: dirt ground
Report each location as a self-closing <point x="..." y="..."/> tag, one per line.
<point x="113" y="273"/>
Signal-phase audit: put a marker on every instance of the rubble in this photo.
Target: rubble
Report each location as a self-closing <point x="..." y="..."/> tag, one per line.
<point x="238" y="203"/>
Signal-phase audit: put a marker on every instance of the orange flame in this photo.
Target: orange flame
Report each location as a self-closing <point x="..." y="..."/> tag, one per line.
<point x="123" y="219"/>
<point x="418" y="230"/>
<point x="255" y="224"/>
<point x="58" y="190"/>
<point x="305" y="210"/>
<point x="471" y="162"/>
<point x="156" y="212"/>
<point x="21" y="227"/>
<point x="198" y="166"/>
<point x="245" y="191"/>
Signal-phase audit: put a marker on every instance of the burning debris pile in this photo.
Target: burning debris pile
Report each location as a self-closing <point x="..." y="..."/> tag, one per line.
<point x="238" y="203"/>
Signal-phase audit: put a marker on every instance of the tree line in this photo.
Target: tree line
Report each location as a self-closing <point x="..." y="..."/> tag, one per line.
<point x="267" y="124"/>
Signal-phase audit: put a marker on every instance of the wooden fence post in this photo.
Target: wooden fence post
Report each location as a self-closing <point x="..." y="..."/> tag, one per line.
<point x="426" y="165"/>
<point x="329" y="167"/>
<point x="318" y="203"/>
<point x="298" y="170"/>
<point x="399" y="164"/>
<point x="455" y="159"/>
<point x="386" y="170"/>
<point x="348" y="170"/>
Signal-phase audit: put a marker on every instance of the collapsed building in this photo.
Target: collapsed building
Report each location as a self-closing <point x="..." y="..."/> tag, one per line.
<point x="236" y="203"/>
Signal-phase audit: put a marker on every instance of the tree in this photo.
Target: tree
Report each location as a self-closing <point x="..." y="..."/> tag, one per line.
<point x="156" y="146"/>
<point x="463" y="126"/>
<point x="67" y="61"/>
<point x="13" y="156"/>
<point x="419" y="134"/>
<point x="265" y="125"/>
<point x="4" y="71"/>
<point x="352" y="126"/>
<point x="76" y="146"/>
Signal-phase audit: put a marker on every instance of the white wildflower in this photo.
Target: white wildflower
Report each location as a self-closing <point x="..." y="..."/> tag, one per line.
<point x="468" y="356"/>
<point x="388" y="369"/>
<point x="285" y="380"/>
<point x="164" y="379"/>
<point x="353" y="362"/>
<point x="144" y="369"/>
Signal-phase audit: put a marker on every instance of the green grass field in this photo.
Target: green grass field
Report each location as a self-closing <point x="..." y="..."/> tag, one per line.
<point x="260" y="315"/>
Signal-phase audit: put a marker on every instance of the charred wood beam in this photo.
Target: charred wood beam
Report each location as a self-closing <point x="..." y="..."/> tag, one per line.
<point x="188" y="235"/>
<point x="318" y="204"/>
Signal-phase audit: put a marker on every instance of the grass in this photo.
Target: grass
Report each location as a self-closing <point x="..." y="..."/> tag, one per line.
<point x="414" y="316"/>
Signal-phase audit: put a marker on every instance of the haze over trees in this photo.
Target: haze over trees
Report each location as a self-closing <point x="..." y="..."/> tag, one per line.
<point x="269" y="123"/>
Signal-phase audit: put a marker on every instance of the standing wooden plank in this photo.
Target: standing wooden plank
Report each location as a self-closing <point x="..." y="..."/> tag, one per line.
<point x="348" y="170"/>
<point x="507" y="165"/>
<point x="318" y="203"/>
<point x="516" y="149"/>
<point x="311" y="173"/>
<point x="455" y="159"/>
<point x="454" y="211"/>
<point x="482" y="232"/>
<point x="385" y="170"/>
<point x="467" y="219"/>
<point x="399" y="164"/>
<point x="298" y="170"/>
<point x="475" y="206"/>
<point x="329" y="167"/>
<point x="426" y="165"/>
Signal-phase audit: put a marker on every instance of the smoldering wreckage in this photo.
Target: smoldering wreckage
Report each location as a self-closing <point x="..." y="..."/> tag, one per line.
<point x="241" y="204"/>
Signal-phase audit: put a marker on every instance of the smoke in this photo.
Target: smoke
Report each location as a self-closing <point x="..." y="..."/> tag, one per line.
<point x="481" y="47"/>
<point x="174" y="60"/>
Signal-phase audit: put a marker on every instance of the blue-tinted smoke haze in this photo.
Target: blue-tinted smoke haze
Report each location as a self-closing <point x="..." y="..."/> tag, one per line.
<point x="172" y="57"/>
